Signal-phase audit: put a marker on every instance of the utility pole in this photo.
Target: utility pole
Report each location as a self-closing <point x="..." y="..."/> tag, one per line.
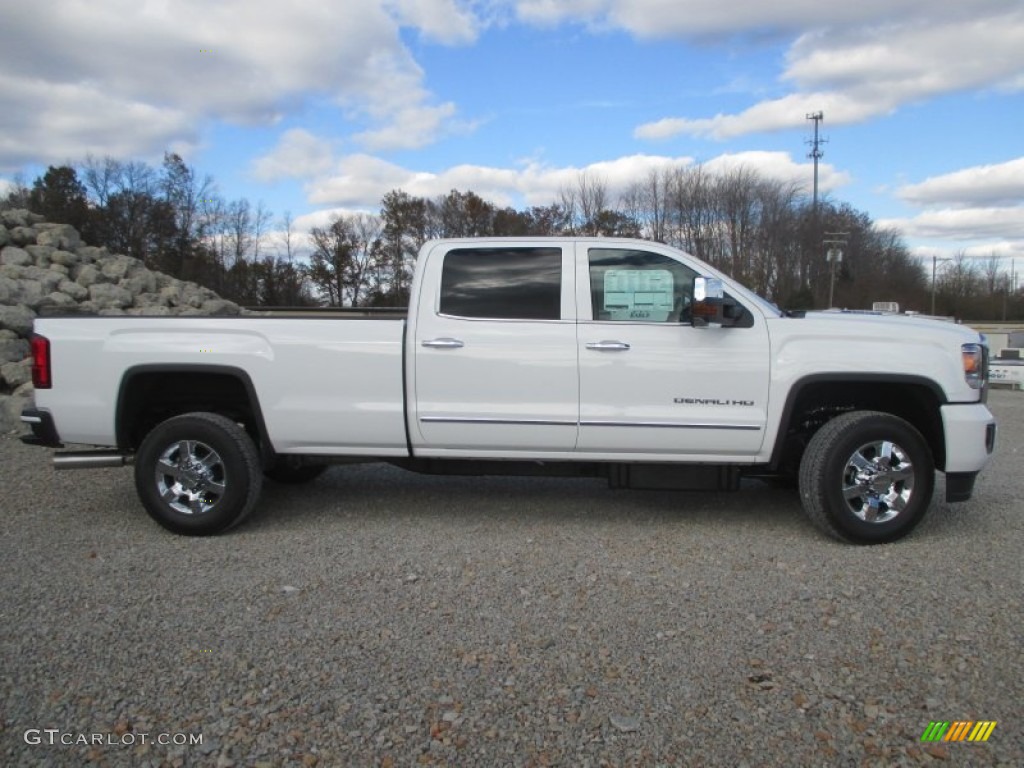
<point x="834" y="242"/>
<point x="816" y="154"/>
<point x="935" y="260"/>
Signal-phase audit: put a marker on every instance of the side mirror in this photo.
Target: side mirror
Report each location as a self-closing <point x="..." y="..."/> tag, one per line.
<point x="708" y="301"/>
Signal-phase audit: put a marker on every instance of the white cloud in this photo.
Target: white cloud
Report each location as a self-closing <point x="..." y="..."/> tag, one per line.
<point x="963" y="224"/>
<point x="360" y="181"/>
<point x="872" y="68"/>
<point x="705" y="18"/>
<point x="440" y="20"/>
<point x="298" y="154"/>
<point x="127" y="78"/>
<point x="998" y="184"/>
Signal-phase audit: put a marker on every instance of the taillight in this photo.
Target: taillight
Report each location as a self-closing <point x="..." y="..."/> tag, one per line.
<point x="41" y="377"/>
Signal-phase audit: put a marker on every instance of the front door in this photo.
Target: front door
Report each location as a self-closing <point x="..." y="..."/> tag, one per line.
<point x="651" y="385"/>
<point x="495" y="352"/>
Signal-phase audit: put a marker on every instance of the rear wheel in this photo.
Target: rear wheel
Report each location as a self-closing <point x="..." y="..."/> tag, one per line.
<point x="198" y="474"/>
<point x="867" y="477"/>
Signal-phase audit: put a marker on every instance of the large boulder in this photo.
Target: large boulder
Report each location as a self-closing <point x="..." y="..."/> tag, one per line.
<point x="13" y="375"/>
<point x="40" y="254"/>
<point x="107" y="296"/>
<point x="14" y="256"/>
<point x="12" y="349"/>
<point x="17" y="318"/>
<point x="73" y="289"/>
<point x="62" y="236"/>
<point x="24" y="235"/>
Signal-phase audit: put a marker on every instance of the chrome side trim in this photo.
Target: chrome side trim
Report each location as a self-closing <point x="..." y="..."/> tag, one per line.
<point x="470" y="420"/>
<point x="669" y="425"/>
<point x="566" y="423"/>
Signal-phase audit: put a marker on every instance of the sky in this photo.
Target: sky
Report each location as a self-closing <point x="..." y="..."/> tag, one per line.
<point x="316" y="107"/>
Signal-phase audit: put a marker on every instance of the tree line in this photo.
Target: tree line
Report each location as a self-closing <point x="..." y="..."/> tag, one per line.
<point x="764" y="232"/>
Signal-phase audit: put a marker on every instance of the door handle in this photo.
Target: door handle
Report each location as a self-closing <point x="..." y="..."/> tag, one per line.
<point x="445" y="343"/>
<point x="608" y="346"/>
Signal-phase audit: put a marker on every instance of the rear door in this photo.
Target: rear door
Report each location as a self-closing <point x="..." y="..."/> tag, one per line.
<point x="494" y="351"/>
<point x="651" y="385"/>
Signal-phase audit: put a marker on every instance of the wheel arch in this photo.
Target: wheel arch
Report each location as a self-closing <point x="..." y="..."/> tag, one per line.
<point x="816" y="399"/>
<point x="150" y="394"/>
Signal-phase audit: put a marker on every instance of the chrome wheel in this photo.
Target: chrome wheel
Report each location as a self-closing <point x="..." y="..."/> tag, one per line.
<point x="190" y="477"/>
<point x="878" y="481"/>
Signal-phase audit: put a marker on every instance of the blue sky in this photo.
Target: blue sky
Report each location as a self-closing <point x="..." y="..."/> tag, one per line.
<point x="315" y="107"/>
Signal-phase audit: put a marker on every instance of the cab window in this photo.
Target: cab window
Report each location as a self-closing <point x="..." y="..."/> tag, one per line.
<point x="638" y="286"/>
<point x="502" y="283"/>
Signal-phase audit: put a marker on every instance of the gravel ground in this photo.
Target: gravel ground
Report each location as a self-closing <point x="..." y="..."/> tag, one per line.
<point x="379" y="618"/>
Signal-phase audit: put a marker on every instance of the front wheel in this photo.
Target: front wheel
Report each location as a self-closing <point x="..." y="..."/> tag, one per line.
<point x="867" y="477"/>
<point x="198" y="474"/>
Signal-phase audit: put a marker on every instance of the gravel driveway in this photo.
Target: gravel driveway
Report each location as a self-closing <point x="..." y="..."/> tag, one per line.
<point x="379" y="618"/>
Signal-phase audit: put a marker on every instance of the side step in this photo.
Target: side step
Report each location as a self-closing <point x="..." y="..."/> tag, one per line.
<point x="89" y="460"/>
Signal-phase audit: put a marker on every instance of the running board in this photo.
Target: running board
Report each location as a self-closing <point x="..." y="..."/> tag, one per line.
<point x="89" y="460"/>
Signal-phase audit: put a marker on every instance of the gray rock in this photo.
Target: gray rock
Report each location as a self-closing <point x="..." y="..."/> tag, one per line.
<point x="60" y="269"/>
<point x="57" y="299"/>
<point x="10" y="412"/>
<point x="221" y="307"/>
<point x="171" y="295"/>
<point x="23" y="235"/>
<point x="8" y="287"/>
<point x="40" y="254"/>
<point x="13" y="350"/>
<point x="147" y="299"/>
<point x="107" y="296"/>
<point x="14" y="256"/>
<point x="29" y="292"/>
<point x="59" y="235"/>
<point x="4" y="237"/>
<point x="142" y="281"/>
<point x="73" y="289"/>
<point x="67" y="258"/>
<point x="119" y="267"/>
<point x="90" y="253"/>
<point x="111" y="312"/>
<point x="11" y="271"/>
<point x="624" y="723"/>
<point x="14" y="218"/>
<point x="87" y="275"/>
<point x="16" y="374"/>
<point x="150" y="311"/>
<point x="17" y="318"/>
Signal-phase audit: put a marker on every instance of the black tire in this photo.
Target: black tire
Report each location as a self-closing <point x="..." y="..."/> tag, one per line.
<point x="292" y="471"/>
<point x="198" y="474"/>
<point x="851" y="490"/>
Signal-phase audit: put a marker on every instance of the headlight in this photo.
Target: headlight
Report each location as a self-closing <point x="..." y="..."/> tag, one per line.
<point x="974" y="365"/>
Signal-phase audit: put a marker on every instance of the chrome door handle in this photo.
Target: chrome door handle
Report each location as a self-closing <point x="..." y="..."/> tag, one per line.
<point x="608" y="346"/>
<point x="445" y="343"/>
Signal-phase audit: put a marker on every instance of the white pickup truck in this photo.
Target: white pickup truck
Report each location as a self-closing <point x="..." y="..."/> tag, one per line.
<point x="610" y="358"/>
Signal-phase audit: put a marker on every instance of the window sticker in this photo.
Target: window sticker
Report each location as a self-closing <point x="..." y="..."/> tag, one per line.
<point x="638" y="294"/>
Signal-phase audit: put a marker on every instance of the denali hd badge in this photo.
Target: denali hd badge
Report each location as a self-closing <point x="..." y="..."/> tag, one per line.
<point x="709" y="401"/>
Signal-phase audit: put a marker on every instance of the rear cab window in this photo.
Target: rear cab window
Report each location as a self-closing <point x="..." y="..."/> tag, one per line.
<point x="508" y="283"/>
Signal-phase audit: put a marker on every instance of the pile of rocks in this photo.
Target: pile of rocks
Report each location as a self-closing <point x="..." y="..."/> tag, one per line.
<point x="46" y="267"/>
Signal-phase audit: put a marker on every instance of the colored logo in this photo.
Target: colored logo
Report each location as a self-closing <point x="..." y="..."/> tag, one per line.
<point x="958" y="730"/>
